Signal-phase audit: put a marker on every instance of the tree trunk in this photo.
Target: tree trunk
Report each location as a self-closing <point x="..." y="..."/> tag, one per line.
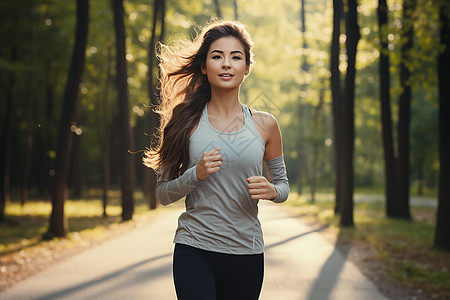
<point x="336" y="93"/>
<point x="348" y="122"/>
<point x="152" y="117"/>
<point x="301" y="161"/>
<point x="124" y="112"/>
<point x="29" y="122"/>
<point x="386" y="119"/>
<point x="442" y="233"/>
<point x="6" y="142"/>
<point x="236" y="12"/>
<point x="58" y="221"/>
<point x="402" y="209"/>
<point x="106" y="136"/>
<point x="29" y="143"/>
<point x="317" y="121"/>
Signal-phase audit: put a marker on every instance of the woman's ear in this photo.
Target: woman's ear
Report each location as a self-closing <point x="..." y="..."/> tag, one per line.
<point x="247" y="70"/>
<point x="203" y="68"/>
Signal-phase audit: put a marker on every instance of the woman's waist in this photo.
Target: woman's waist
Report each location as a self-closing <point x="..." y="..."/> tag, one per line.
<point x="210" y="230"/>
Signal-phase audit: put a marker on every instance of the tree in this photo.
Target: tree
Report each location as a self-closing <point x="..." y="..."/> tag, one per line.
<point x="7" y="123"/>
<point x="6" y="145"/>
<point x="124" y="113"/>
<point x="386" y="120"/>
<point x="58" y="222"/>
<point x="402" y="209"/>
<point x="316" y="139"/>
<point x="336" y="92"/>
<point x="106" y="136"/>
<point x="153" y="118"/>
<point x="301" y="163"/>
<point x="347" y="116"/>
<point x="442" y="232"/>
<point x="31" y="83"/>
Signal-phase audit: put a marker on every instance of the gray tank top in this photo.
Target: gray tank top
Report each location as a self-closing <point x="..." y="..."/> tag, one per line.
<point x="220" y="215"/>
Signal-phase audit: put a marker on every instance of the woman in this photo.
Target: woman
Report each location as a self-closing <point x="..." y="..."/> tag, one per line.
<point x="211" y="152"/>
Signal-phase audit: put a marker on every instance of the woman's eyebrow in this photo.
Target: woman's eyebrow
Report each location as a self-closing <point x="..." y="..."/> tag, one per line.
<point x="221" y="52"/>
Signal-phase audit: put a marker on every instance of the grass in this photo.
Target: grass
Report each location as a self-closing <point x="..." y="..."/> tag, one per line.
<point x="27" y="224"/>
<point x="402" y="249"/>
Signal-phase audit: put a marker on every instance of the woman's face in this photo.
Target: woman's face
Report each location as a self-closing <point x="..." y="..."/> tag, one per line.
<point x="225" y="63"/>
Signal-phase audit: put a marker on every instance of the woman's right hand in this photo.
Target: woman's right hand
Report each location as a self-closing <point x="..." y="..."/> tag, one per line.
<point x="209" y="163"/>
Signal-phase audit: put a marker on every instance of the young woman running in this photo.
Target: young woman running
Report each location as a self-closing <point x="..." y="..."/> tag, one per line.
<point x="211" y="150"/>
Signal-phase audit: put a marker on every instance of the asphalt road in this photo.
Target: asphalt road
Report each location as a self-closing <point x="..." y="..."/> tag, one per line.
<point x="299" y="264"/>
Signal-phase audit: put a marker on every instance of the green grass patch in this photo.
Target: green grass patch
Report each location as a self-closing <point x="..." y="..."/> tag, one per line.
<point x="25" y="225"/>
<point x="404" y="249"/>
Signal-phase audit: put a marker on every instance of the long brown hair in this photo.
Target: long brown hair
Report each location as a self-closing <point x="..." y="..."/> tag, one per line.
<point x="184" y="92"/>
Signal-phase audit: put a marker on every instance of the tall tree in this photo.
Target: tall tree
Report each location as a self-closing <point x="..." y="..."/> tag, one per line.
<point x="58" y="221"/>
<point x="402" y="209"/>
<point x="236" y="12"/>
<point x="6" y="141"/>
<point x="30" y="108"/>
<point x="304" y="67"/>
<point x="105" y="136"/>
<point x="347" y="114"/>
<point x="316" y="138"/>
<point x="386" y="119"/>
<point x="124" y="112"/>
<point x="442" y="233"/>
<point x="153" y="118"/>
<point x="336" y="93"/>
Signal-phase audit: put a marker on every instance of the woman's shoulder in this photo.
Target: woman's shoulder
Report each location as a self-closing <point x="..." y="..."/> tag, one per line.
<point x="264" y="119"/>
<point x="266" y="124"/>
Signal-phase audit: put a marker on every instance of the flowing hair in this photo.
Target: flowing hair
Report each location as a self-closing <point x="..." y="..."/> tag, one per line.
<point x="184" y="92"/>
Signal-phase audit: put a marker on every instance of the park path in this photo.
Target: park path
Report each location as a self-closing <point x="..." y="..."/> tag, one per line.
<point x="299" y="264"/>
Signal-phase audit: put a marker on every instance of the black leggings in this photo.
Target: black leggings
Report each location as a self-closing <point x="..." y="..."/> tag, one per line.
<point x="206" y="275"/>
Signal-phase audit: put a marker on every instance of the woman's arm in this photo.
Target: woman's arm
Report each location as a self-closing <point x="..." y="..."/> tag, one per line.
<point x="276" y="170"/>
<point x="169" y="191"/>
<point x="277" y="188"/>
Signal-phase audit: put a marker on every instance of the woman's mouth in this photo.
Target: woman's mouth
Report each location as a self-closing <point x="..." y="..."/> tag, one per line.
<point x="226" y="76"/>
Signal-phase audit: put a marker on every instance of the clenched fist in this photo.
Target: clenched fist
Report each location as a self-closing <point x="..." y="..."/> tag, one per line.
<point x="209" y="163"/>
<point x="260" y="188"/>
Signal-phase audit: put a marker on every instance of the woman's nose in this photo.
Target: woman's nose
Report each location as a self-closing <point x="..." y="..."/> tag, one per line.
<point x="226" y="64"/>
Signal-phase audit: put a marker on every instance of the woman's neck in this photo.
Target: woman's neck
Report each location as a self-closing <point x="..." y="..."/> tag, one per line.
<point x="224" y="103"/>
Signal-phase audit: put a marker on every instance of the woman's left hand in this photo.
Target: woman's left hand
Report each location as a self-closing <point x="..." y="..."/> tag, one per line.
<point x="260" y="188"/>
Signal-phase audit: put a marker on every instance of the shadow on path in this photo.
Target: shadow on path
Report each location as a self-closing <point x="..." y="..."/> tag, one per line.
<point x="329" y="273"/>
<point x="149" y="274"/>
<point x="268" y="247"/>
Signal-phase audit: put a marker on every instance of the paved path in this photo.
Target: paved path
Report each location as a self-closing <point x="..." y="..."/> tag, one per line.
<point x="299" y="263"/>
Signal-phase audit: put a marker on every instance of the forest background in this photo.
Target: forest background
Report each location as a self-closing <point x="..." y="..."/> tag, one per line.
<point x="76" y="109"/>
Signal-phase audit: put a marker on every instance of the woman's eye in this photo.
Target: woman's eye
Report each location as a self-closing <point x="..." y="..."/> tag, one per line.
<point x="237" y="57"/>
<point x="217" y="57"/>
